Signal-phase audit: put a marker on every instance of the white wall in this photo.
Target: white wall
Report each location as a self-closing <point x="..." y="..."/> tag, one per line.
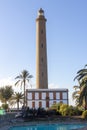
<point x="36" y="95"/>
<point x="50" y="103"/>
<point x="36" y="104"/>
<point x="43" y="95"/>
<point x="29" y="95"/>
<point x="57" y="95"/>
<point x="30" y="104"/>
<point x="50" y="95"/>
<point x="64" y="94"/>
<point x="44" y="104"/>
<point x="65" y="101"/>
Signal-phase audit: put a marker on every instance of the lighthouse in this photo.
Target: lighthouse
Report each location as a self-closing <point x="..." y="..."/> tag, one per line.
<point x="42" y="96"/>
<point x="41" y="52"/>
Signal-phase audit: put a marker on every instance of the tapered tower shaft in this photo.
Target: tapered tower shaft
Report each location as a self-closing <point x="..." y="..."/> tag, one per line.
<point x="41" y="52"/>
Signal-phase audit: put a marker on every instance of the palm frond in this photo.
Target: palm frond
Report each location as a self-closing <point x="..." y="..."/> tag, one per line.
<point x="17" y="82"/>
<point x="82" y="71"/>
<point x="30" y="76"/>
<point x="17" y="77"/>
<point x="85" y="66"/>
<point x="76" y="87"/>
<point x="82" y="76"/>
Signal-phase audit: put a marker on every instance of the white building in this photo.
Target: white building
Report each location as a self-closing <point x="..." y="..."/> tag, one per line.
<point x="46" y="97"/>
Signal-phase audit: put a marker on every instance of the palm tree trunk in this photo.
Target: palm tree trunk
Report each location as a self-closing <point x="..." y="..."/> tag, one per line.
<point x="85" y="103"/>
<point x="18" y="105"/>
<point x="24" y="94"/>
<point x="5" y="102"/>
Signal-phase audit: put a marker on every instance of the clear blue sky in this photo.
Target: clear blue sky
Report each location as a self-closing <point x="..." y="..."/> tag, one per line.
<point x="66" y="39"/>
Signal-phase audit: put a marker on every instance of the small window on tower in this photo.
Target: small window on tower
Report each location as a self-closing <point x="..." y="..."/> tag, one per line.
<point x="42" y="45"/>
<point x="42" y="74"/>
<point x="42" y="31"/>
<point x="42" y="59"/>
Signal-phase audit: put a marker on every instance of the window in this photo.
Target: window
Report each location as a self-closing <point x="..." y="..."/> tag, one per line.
<point x="64" y="95"/>
<point x="42" y="59"/>
<point x="42" y="31"/>
<point x="29" y="95"/>
<point x="57" y="95"/>
<point x="36" y="95"/>
<point x="42" y="74"/>
<point x="51" y="95"/>
<point x="43" y="95"/>
<point x="42" y="45"/>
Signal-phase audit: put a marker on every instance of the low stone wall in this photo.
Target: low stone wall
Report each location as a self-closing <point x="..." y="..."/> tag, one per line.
<point x="7" y="117"/>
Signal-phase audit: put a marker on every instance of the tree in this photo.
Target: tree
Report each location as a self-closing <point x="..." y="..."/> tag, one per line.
<point x="82" y="79"/>
<point x="76" y="94"/>
<point x="17" y="98"/>
<point x="83" y="93"/>
<point x="6" y="93"/>
<point x="23" y="79"/>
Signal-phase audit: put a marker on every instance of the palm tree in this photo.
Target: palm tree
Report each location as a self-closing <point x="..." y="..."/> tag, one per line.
<point x="83" y="93"/>
<point x="17" y="98"/>
<point x="23" y="79"/>
<point x="76" y="94"/>
<point x="82" y="79"/>
<point x="81" y="74"/>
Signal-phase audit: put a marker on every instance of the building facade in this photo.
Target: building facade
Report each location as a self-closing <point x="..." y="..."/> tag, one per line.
<point x="46" y="97"/>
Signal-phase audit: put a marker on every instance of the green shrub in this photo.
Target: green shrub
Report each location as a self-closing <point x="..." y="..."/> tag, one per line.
<point x="55" y="106"/>
<point x="67" y="110"/>
<point x="5" y="106"/>
<point x="84" y="114"/>
<point x="63" y="109"/>
<point x="77" y="111"/>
